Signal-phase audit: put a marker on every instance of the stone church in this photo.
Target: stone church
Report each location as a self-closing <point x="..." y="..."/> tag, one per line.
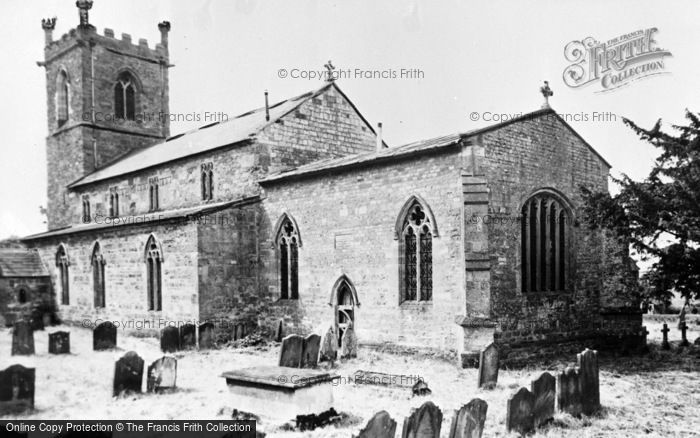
<point x="299" y="211"/>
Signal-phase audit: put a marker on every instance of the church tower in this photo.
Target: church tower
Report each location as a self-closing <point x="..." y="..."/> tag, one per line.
<point x="105" y="98"/>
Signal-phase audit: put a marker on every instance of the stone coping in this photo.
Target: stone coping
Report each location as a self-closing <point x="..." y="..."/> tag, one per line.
<point x="272" y="377"/>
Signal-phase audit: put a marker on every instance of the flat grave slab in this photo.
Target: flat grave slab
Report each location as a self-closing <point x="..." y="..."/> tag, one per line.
<point x="280" y="392"/>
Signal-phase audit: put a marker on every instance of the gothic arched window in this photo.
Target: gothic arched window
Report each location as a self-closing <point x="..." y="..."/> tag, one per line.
<point x="416" y="255"/>
<point x="86" y="208"/>
<point x="207" y="181"/>
<point x="125" y="97"/>
<point x="62" y="96"/>
<point x="288" y="243"/>
<point x="154" y="271"/>
<point x="62" y="264"/>
<point x="98" y="276"/>
<point x="153" y="200"/>
<point x="545" y="228"/>
<point x="113" y="202"/>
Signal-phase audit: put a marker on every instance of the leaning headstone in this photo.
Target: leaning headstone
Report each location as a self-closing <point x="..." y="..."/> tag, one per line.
<point x="588" y="381"/>
<point x="329" y="346"/>
<point x="425" y="422"/>
<point x="348" y="344"/>
<point x="128" y="374"/>
<point x="291" y="351"/>
<point x="381" y="425"/>
<point x="519" y="413"/>
<point x="104" y="337"/>
<point x="206" y="336"/>
<point x="664" y="344"/>
<point x="488" y="367"/>
<point x="22" y="339"/>
<point x="59" y="343"/>
<point x="309" y="356"/>
<point x="544" y="389"/>
<point x="468" y="422"/>
<point x="569" y="392"/>
<point x="16" y="389"/>
<point x="162" y="375"/>
<point x="169" y="339"/>
<point x="279" y="331"/>
<point x="188" y="336"/>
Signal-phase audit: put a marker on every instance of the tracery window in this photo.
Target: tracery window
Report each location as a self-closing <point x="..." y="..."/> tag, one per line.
<point x="98" y="276"/>
<point x="416" y="254"/>
<point x="545" y="229"/>
<point x="62" y="264"/>
<point x="62" y="96"/>
<point x="125" y="97"/>
<point x="154" y="263"/>
<point x="288" y="250"/>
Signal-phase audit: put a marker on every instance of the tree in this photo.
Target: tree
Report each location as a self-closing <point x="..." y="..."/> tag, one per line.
<point x="660" y="216"/>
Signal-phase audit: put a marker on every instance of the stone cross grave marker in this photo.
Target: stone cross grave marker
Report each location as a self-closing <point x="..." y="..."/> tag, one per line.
<point x="162" y="375"/>
<point x="206" y="336"/>
<point x="169" y="339"/>
<point x="329" y="346"/>
<point x="488" y="367"/>
<point x="22" y="339"/>
<point x="664" y="344"/>
<point x="188" y="338"/>
<point x="588" y="381"/>
<point x="468" y="421"/>
<point x="684" y="335"/>
<point x="348" y="344"/>
<point x="544" y="388"/>
<point x="381" y="425"/>
<point x="425" y="422"/>
<point x="128" y="374"/>
<point x="291" y="351"/>
<point x="309" y="356"/>
<point x="59" y="343"/>
<point x="104" y="337"/>
<point x="519" y="414"/>
<point x="569" y="392"/>
<point x="16" y="389"/>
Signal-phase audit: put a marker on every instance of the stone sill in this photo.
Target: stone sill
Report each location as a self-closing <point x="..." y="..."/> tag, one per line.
<point x="417" y="305"/>
<point x="475" y="321"/>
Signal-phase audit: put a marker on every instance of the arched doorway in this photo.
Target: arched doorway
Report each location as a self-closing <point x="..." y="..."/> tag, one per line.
<point x="344" y="301"/>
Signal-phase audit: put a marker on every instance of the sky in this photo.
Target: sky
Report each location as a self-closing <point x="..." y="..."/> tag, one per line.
<point x="466" y="63"/>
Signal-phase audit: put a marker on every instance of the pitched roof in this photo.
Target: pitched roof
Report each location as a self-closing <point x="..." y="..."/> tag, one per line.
<point x="410" y="149"/>
<point x="206" y="138"/>
<point x="20" y="262"/>
<point x="190" y="214"/>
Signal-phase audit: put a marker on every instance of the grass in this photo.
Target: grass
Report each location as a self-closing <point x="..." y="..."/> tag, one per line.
<point x="653" y="395"/>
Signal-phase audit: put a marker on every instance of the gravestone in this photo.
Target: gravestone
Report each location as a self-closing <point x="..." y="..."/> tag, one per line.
<point x="544" y="388"/>
<point x="206" y="336"/>
<point x="59" y="343"/>
<point x="381" y="425"/>
<point x="128" y="374"/>
<point x="468" y="421"/>
<point x="684" y="335"/>
<point x="169" y="339"/>
<point x="279" y="331"/>
<point x="309" y="356"/>
<point x="588" y="381"/>
<point x="291" y="351"/>
<point x="188" y="336"/>
<point x="519" y="413"/>
<point x="569" y="392"/>
<point x="664" y="344"/>
<point x="348" y="344"/>
<point x="421" y="388"/>
<point x="162" y="375"/>
<point x="239" y="331"/>
<point x="329" y="346"/>
<point x="425" y="422"/>
<point x="22" y="339"/>
<point x="488" y="367"/>
<point x="16" y="389"/>
<point x="104" y="337"/>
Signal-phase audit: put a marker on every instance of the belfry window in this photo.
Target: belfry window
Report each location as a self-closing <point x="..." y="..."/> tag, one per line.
<point x="98" y="276"/>
<point x="545" y="229"/>
<point x="288" y="250"/>
<point x="62" y="264"/>
<point x="154" y="263"/>
<point x="86" y="208"/>
<point x="62" y="96"/>
<point x="416" y="256"/>
<point x="207" y="179"/>
<point x="125" y="97"/>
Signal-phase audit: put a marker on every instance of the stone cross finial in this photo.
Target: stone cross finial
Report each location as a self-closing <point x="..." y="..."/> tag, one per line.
<point x="83" y="7"/>
<point x="331" y="68"/>
<point x="547" y="93"/>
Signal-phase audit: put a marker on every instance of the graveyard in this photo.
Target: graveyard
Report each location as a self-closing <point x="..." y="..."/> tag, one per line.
<point x="654" y="394"/>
